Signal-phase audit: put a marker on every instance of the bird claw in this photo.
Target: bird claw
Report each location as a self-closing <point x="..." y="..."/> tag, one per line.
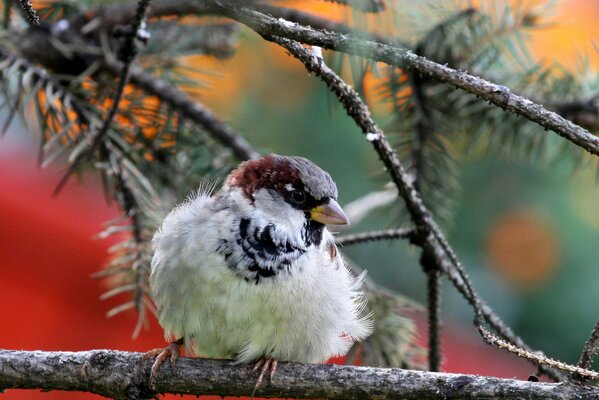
<point x="264" y="365"/>
<point x="173" y="351"/>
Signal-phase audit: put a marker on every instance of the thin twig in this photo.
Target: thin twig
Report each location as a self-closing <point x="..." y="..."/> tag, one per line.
<point x="433" y="286"/>
<point x="590" y="348"/>
<point x="30" y="13"/>
<point x="541" y="359"/>
<point x="317" y="22"/>
<point x="363" y="237"/>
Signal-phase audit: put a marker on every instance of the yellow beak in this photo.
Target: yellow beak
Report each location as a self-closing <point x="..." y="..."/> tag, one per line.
<point x="329" y="213"/>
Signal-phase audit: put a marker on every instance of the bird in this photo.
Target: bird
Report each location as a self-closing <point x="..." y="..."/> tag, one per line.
<point x="252" y="273"/>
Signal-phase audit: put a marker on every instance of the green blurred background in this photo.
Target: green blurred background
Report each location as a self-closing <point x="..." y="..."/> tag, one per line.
<point x="527" y="233"/>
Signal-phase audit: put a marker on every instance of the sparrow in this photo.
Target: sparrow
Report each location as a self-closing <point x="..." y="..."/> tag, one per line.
<point x="252" y="272"/>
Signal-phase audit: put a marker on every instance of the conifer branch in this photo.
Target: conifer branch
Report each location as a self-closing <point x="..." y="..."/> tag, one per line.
<point x="590" y="348"/>
<point x="315" y="21"/>
<point x="368" y="46"/>
<point x="128" y="53"/>
<point x="430" y="238"/>
<point x="496" y="94"/>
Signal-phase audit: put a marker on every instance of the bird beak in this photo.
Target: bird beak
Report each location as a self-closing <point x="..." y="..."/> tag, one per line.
<point x="329" y="213"/>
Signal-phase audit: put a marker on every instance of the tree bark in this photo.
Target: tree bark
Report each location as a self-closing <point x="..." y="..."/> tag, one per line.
<point x="123" y="375"/>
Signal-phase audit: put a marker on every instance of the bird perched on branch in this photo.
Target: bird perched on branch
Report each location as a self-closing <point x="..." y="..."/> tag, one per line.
<point x="252" y="272"/>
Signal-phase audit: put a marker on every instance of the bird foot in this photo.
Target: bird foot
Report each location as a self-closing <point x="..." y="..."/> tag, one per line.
<point x="264" y="365"/>
<point x="173" y="350"/>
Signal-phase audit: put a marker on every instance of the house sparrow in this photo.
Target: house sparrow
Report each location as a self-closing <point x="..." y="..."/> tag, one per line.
<point x="252" y="272"/>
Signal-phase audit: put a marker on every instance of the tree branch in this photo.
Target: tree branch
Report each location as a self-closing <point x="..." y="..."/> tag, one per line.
<point x="123" y="375"/>
<point x="30" y="13"/>
<point x="347" y="42"/>
<point x="351" y="43"/>
<point x="590" y="348"/>
<point x="499" y="95"/>
<point x="128" y="53"/>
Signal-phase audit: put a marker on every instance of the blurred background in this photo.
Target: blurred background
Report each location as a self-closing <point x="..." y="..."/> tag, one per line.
<point x="527" y="233"/>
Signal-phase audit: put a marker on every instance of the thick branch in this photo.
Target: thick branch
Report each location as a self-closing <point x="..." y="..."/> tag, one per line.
<point x="123" y="375"/>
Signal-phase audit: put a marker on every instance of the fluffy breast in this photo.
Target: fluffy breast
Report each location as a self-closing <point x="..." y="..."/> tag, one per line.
<point x="309" y="315"/>
<point x="259" y="251"/>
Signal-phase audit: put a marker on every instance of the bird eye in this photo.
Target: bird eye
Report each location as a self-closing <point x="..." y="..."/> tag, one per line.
<point x="298" y="196"/>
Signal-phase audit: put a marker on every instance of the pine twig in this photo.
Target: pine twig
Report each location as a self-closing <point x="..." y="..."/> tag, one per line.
<point x="539" y="358"/>
<point x="30" y="13"/>
<point x="433" y="286"/>
<point x="315" y="21"/>
<point x="132" y="210"/>
<point x="590" y="348"/>
<point x="363" y="237"/>
<point x="128" y="53"/>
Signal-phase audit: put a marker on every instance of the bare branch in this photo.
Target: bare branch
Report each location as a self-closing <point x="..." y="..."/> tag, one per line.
<point x="590" y="348"/>
<point x="433" y="285"/>
<point x="540" y="359"/>
<point x="123" y="375"/>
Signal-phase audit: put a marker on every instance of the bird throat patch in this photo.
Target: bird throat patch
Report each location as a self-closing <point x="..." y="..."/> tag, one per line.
<point x="255" y="255"/>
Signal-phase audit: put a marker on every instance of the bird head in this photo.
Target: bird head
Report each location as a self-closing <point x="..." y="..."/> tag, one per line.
<point x="291" y="192"/>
